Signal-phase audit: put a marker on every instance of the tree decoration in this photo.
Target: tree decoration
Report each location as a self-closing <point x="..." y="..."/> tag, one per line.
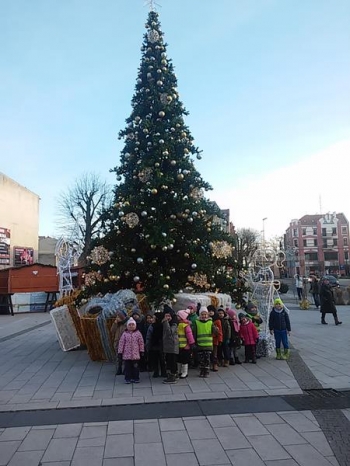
<point x="132" y="219"/>
<point x="199" y="280"/>
<point x="221" y="249"/>
<point x="99" y="255"/>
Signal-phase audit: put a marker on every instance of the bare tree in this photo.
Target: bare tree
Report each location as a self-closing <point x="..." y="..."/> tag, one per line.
<point x="247" y="241"/>
<point x="80" y="211"/>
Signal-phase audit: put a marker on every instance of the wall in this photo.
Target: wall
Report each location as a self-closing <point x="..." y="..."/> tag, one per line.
<point x="19" y="212"/>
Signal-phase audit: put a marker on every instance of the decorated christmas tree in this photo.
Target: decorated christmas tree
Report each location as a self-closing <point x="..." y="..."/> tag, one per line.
<point x="162" y="234"/>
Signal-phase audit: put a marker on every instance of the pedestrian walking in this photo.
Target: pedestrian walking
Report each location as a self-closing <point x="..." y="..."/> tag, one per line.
<point x="315" y="290"/>
<point x="299" y="286"/>
<point x="327" y="303"/>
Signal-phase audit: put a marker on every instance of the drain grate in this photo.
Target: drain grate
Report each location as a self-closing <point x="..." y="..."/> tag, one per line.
<point x="324" y="393"/>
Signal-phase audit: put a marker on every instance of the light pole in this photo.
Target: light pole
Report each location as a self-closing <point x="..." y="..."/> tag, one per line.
<point x="263" y="230"/>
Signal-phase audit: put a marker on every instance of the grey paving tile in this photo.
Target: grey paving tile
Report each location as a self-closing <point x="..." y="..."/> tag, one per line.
<point x="37" y="440"/>
<point x="119" y="446"/>
<point x="285" y="434"/>
<point x="199" y="429"/>
<point x="246" y="456"/>
<point x="14" y="433"/>
<point x="93" y="431"/>
<point x="210" y="452"/>
<point x="56" y="463"/>
<point x="26" y="458"/>
<point x="147" y="433"/>
<point x="68" y="431"/>
<point x="224" y="420"/>
<point x="299" y="422"/>
<point x="251" y="426"/>
<point x="60" y="449"/>
<point x="171" y="424"/>
<point x="149" y="455"/>
<point x="176" y="441"/>
<point x="120" y="427"/>
<point x="306" y="455"/>
<point x="289" y="462"/>
<point x="269" y="418"/>
<point x="268" y="448"/>
<point x="121" y="462"/>
<point x="231" y="438"/>
<point x="181" y="459"/>
<point x="8" y="449"/>
<point x="88" y="456"/>
<point x="91" y="442"/>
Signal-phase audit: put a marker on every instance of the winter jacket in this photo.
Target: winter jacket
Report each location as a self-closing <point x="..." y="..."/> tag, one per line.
<point x="117" y="329"/>
<point x="131" y="345"/>
<point x="185" y="334"/>
<point x="218" y="338"/>
<point x="170" y="338"/>
<point x="154" y="337"/>
<point x="226" y="330"/>
<point x="327" y="299"/>
<point x="256" y="319"/>
<point x="249" y="333"/>
<point x="192" y="318"/>
<point x="235" y="325"/>
<point x="279" y="320"/>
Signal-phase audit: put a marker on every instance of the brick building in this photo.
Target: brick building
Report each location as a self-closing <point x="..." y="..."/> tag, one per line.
<point x="319" y="244"/>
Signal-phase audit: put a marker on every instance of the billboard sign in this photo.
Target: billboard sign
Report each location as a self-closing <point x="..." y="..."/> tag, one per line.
<point x="4" y="246"/>
<point x="23" y="256"/>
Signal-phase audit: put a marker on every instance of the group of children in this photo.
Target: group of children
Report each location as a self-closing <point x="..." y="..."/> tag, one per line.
<point x="170" y="342"/>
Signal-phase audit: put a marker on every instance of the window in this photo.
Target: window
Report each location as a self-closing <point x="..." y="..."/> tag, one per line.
<point x="335" y="242"/>
<point x="315" y="242"/>
<point x="344" y="230"/>
<point x="345" y="241"/>
<point x="334" y="231"/>
<point x="346" y="255"/>
<point x="324" y="243"/>
<point x="296" y="243"/>
<point x="304" y="231"/>
<point x="324" y="231"/>
<point x="314" y="231"/>
<point x="304" y="243"/>
<point x="311" y="256"/>
<point x="295" y="232"/>
<point x="330" y="256"/>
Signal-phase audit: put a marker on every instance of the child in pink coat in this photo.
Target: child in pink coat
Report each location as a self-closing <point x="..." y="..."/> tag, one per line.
<point x="235" y="340"/>
<point x="250" y="336"/>
<point x="186" y="342"/>
<point x="130" y="349"/>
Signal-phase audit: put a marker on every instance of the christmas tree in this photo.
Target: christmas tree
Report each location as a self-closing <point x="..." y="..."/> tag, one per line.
<point x="161" y="235"/>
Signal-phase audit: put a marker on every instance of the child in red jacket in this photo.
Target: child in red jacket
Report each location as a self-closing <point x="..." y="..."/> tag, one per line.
<point x="250" y="336"/>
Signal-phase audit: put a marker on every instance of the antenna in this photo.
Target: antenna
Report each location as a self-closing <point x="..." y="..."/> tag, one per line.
<point x="152" y="4"/>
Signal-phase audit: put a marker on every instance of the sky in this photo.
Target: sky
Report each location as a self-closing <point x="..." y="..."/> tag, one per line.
<point x="266" y="82"/>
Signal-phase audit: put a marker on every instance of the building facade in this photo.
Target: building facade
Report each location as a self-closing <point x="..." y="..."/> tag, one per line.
<point x="19" y="224"/>
<point x="318" y="244"/>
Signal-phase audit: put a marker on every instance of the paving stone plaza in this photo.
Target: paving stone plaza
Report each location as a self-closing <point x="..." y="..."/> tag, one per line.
<point x="61" y="408"/>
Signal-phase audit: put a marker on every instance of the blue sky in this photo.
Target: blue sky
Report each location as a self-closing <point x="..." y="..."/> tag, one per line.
<point x="266" y="82"/>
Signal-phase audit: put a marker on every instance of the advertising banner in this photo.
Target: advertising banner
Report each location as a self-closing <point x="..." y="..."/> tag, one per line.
<point x="23" y="256"/>
<point x="4" y="246"/>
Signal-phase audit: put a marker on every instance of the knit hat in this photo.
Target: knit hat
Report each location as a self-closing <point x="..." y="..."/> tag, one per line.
<point x="168" y="310"/>
<point x="249" y="308"/>
<point x="130" y="322"/>
<point x="278" y="301"/>
<point x="203" y="309"/>
<point x="135" y="310"/>
<point x="241" y="315"/>
<point x="150" y="313"/>
<point x="191" y="306"/>
<point x="182" y="315"/>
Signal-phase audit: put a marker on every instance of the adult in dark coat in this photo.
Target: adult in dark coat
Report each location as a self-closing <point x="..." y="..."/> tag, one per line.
<point x="327" y="303"/>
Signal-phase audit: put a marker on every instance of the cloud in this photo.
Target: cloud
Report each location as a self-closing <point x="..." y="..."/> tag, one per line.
<point x="318" y="182"/>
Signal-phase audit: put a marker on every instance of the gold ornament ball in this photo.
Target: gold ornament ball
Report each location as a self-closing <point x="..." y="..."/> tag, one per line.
<point x="166" y="286"/>
<point x="186" y="254"/>
<point x="154" y="191"/>
<point x="173" y="163"/>
<point x="180" y="177"/>
<point x="157" y="165"/>
<point x="161" y="114"/>
<point x="153" y="246"/>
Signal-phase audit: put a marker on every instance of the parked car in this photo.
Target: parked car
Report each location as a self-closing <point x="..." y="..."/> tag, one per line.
<point x="333" y="281"/>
